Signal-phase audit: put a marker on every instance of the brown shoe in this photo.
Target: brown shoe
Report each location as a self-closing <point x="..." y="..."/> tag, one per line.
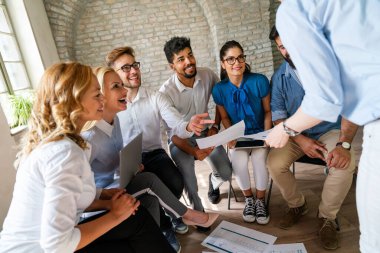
<point x="293" y="215"/>
<point x="328" y="235"/>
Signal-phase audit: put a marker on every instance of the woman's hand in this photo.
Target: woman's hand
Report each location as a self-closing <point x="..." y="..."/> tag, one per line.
<point x="123" y="205"/>
<point x="107" y="194"/>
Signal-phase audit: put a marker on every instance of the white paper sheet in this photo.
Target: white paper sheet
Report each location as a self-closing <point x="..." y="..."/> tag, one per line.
<point x="229" y="237"/>
<point x="287" y="248"/>
<point x="259" y="136"/>
<point x="222" y="137"/>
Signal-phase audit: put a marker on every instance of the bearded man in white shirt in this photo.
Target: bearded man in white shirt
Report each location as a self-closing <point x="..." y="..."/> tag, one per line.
<point x="189" y="89"/>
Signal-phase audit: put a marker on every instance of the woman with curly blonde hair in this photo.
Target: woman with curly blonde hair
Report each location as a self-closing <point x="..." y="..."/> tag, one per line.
<point x="55" y="185"/>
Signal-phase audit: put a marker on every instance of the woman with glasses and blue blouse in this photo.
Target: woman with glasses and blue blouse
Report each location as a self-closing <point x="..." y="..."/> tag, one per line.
<point x="242" y="95"/>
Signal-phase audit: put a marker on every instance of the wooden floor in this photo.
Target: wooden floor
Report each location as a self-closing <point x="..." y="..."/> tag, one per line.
<point x="310" y="180"/>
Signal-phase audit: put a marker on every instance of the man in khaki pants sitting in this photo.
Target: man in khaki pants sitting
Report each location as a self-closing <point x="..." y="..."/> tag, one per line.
<point x="330" y="142"/>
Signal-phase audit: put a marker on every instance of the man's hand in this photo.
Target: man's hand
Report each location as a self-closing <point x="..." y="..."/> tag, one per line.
<point x="201" y="154"/>
<point x="312" y="148"/>
<point x="107" y="194"/>
<point x="277" y="138"/>
<point x="197" y="122"/>
<point x="339" y="158"/>
<point x="212" y="131"/>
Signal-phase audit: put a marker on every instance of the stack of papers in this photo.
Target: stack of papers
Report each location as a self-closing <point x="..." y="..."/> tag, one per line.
<point x="232" y="238"/>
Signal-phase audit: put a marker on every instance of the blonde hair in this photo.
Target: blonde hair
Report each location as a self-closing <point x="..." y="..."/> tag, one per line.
<point x="57" y="107"/>
<point x="99" y="72"/>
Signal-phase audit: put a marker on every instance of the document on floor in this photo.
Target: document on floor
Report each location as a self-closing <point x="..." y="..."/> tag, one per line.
<point x="229" y="237"/>
<point x="287" y="248"/>
<point x="222" y="137"/>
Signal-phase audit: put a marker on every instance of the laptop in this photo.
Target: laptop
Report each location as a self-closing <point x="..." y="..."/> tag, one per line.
<point x="130" y="160"/>
<point x="249" y="143"/>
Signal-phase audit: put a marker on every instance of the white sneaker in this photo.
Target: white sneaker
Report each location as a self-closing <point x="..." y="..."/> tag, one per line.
<point x="262" y="215"/>
<point x="249" y="210"/>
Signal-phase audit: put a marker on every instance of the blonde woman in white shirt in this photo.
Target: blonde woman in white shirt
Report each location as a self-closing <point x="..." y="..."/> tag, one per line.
<point x="54" y="183"/>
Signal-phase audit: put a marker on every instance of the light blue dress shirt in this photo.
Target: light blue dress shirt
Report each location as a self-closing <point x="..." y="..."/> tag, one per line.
<point x="286" y="97"/>
<point x="335" y="46"/>
<point x="106" y="142"/>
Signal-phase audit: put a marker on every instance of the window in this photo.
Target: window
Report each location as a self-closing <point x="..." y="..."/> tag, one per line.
<point x="13" y="77"/>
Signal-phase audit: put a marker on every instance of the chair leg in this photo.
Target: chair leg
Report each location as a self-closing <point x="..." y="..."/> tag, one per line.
<point x="185" y="199"/>
<point x="337" y="224"/>
<point x="269" y="193"/>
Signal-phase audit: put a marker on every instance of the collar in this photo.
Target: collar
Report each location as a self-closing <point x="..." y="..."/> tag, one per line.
<point x="182" y="87"/>
<point x="289" y="71"/>
<point x="140" y="94"/>
<point x="105" y="127"/>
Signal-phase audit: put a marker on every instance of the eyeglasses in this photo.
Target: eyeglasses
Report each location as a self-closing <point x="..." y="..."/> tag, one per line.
<point x="127" y="67"/>
<point x="231" y="60"/>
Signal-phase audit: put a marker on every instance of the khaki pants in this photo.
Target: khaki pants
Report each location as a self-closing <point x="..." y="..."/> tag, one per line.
<point x="336" y="186"/>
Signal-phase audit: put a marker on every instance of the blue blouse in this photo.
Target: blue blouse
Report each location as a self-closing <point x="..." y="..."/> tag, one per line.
<point x="244" y="102"/>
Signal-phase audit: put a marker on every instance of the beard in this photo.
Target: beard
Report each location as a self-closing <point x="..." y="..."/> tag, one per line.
<point x="288" y="60"/>
<point x="189" y="76"/>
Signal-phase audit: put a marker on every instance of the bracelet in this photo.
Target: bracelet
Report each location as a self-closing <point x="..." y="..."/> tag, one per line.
<point x="289" y="131"/>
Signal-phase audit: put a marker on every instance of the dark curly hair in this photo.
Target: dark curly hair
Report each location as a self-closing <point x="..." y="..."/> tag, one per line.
<point x="175" y="45"/>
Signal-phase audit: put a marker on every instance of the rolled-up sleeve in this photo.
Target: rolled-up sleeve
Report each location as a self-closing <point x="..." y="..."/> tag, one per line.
<point x="172" y="117"/>
<point x="277" y="102"/>
<point x="63" y="189"/>
<point x="303" y="36"/>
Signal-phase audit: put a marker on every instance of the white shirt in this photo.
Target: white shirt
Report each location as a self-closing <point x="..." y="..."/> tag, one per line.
<point x="191" y="101"/>
<point x="144" y="115"/>
<point x="54" y="184"/>
<point x="335" y="46"/>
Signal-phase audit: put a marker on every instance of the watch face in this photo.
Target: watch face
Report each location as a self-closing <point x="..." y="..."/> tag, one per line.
<point x="346" y="145"/>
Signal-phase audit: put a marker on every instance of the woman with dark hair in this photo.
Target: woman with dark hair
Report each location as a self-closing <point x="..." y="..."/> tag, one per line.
<point x="242" y="95"/>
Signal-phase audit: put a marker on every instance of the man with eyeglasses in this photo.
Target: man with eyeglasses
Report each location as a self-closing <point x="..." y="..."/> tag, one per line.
<point x="328" y="141"/>
<point x="145" y="110"/>
<point x="189" y="88"/>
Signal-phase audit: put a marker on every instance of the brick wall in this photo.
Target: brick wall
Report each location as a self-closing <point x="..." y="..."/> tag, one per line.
<point x="85" y="30"/>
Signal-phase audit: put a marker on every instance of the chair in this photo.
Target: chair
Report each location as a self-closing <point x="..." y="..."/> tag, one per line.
<point x="307" y="160"/>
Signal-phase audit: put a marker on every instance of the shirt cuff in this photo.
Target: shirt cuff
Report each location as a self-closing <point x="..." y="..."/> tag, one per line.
<point x="324" y="110"/>
<point x="276" y="115"/>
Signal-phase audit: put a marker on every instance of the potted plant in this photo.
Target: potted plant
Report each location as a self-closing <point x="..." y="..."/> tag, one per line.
<point x="21" y="105"/>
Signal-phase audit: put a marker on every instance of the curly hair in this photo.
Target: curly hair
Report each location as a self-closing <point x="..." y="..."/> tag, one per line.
<point x="175" y="45"/>
<point x="57" y="107"/>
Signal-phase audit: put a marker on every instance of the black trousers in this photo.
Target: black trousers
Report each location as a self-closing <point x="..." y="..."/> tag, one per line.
<point x="137" y="234"/>
<point x="159" y="163"/>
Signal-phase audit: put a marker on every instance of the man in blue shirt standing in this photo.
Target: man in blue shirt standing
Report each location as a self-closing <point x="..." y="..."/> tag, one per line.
<point x="338" y="60"/>
<point x="328" y="141"/>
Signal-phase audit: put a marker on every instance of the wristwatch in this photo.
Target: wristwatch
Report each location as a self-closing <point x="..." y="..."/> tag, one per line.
<point x="215" y="126"/>
<point x="344" y="144"/>
<point x="289" y="131"/>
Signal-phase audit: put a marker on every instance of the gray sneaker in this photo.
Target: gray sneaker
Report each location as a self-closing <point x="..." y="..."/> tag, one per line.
<point x="172" y="239"/>
<point x="293" y="215"/>
<point x="179" y="227"/>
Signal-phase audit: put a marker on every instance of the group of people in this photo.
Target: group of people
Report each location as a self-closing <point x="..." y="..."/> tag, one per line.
<point x="83" y="117"/>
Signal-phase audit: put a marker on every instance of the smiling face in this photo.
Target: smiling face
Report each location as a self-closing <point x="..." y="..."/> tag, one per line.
<point x="184" y="64"/>
<point x="132" y="78"/>
<point x="114" y="93"/>
<point x="92" y="102"/>
<point x="237" y="69"/>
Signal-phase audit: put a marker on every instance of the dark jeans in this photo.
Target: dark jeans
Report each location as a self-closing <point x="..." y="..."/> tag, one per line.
<point x="138" y="233"/>
<point x="159" y="163"/>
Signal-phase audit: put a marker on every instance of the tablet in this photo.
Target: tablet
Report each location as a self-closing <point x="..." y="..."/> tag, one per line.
<point x="130" y="160"/>
<point x="249" y="143"/>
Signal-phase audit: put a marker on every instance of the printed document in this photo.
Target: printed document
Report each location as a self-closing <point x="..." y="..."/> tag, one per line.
<point x="231" y="238"/>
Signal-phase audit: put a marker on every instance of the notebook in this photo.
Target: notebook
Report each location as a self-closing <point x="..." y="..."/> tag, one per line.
<point x="249" y="143"/>
<point x="130" y="160"/>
